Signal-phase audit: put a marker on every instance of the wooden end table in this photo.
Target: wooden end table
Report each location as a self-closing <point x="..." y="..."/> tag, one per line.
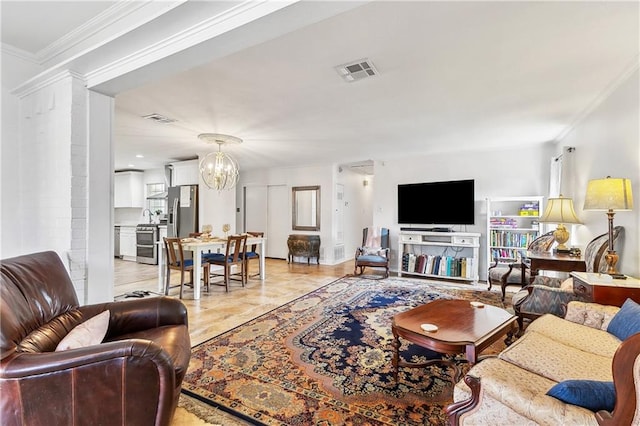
<point x="462" y="328"/>
<point x="548" y="261"/>
<point x="600" y="288"/>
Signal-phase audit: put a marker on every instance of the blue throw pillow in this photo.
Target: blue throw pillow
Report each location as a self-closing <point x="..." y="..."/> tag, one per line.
<point x="626" y="322"/>
<point x="590" y="394"/>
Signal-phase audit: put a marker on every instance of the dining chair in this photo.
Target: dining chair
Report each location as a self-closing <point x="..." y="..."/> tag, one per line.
<point x="252" y="253"/>
<point x="175" y="260"/>
<point x="235" y="247"/>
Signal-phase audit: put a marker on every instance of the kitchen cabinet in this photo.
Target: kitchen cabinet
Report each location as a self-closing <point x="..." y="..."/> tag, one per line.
<point x="185" y="173"/>
<point x="128" y="189"/>
<point x="128" y="243"/>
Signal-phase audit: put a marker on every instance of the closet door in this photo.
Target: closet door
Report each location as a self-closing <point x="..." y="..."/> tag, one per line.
<point x="255" y="209"/>
<point x="278" y="221"/>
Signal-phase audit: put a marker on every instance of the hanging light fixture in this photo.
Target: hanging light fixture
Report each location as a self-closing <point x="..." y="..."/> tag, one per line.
<point x="219" y="170"/>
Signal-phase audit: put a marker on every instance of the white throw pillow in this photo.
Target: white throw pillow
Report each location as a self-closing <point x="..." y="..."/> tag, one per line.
<point x="90" y="332"/>
<point x="373" y="251"/>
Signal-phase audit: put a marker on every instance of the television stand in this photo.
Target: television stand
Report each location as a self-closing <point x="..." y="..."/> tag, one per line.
<point x="441" y="230"/>
<point x="439" y="254"/>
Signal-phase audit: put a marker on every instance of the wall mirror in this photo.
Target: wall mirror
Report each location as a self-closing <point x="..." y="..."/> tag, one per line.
<point x="306" y="208"/>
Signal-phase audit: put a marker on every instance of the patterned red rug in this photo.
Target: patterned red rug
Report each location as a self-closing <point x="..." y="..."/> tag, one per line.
<point x="325" y="359"/>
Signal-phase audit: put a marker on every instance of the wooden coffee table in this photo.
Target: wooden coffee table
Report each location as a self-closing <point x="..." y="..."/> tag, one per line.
<point x="462" y="328"/>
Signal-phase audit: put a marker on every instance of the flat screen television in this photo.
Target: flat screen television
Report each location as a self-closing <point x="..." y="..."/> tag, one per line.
<point x="437" y="203"/>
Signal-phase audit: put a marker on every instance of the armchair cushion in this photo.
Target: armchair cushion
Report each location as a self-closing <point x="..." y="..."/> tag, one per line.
<point x="373" y="251"/>
<point x="590" y="394"/>
<point x="90" y="332"/>
<point x="626" y="322"/>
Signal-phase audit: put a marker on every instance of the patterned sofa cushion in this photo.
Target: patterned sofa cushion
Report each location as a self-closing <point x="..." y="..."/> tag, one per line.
<point x="591" y="314"/>
<point x="578" y="336"/>
<point x="523" y="392"/>
<point x="556" y="361"/>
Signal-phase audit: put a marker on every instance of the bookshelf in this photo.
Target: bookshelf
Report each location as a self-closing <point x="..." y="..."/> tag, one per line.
<point x="512" y="224"/>
<point x="444" y="255"/>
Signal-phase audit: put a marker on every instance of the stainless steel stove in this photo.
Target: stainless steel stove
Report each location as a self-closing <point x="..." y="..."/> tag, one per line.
<point x="146" y="243"/>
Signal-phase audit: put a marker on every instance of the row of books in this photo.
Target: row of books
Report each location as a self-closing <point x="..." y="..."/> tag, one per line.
<point x="447" y="266"/>
<point x="511" y="239"/>
<point x="512" y="254"/>
<point x="504" y="222"/>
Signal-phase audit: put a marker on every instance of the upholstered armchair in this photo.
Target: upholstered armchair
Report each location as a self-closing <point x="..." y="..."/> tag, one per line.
<point x="550" y="295"/>
<point x="517" y="273"/>
<point x="374" y="252"/>
<point x="129" y="370"/>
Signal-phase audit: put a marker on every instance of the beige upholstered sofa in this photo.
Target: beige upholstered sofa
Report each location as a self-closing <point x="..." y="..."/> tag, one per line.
<point x="510" y="389"/>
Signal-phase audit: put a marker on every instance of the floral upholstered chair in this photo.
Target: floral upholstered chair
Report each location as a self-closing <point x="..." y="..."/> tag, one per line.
<point x="517" y="273"/>
<point x="550" y="295"/>
<point x="374" y="252"/>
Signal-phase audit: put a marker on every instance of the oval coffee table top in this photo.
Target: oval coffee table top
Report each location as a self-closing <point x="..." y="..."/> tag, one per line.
<point x="458" y="321"/>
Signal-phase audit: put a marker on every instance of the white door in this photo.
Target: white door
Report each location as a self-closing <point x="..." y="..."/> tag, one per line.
<point x="278" y="221"/>
<point x="255" y="209"/>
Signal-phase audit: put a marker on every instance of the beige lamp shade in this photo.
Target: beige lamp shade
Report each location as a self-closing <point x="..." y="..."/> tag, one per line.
<point x="560" y="210"/>
<point x="609" y="194"/>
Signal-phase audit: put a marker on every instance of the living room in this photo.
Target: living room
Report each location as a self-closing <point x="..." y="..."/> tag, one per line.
<point x="46" y="207"/>
<point x="499" y="168"/>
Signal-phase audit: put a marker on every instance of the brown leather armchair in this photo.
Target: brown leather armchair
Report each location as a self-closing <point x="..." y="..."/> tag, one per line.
<point x="134" y="377"/>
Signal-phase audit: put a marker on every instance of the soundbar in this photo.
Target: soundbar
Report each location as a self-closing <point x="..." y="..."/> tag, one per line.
<point x="426" y="229"/>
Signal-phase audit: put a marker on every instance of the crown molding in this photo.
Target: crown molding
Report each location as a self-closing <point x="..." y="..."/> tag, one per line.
<point x="19" y="53"/>
<point x="100" y="22"/>
<point x="209" y="28"/>
<point x="38" y="83"/>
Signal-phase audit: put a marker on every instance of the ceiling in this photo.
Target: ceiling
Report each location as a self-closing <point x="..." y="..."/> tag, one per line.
<point x="452" y="76"/>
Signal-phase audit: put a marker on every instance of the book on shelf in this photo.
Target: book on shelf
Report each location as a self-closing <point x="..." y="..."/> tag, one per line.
<point x="444" y="266"/>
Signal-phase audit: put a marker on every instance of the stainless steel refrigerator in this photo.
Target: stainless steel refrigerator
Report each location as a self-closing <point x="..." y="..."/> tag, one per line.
<point x="183" y="211"/>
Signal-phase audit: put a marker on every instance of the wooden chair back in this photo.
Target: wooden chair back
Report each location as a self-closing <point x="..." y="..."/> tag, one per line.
<point x="174" y="253"/>
<point x="236" y="246"/>
<point x="256" y="234"/>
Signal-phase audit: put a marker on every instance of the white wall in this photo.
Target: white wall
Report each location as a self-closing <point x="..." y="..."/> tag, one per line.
<point x="607" y="143"/>
<point x="322" y="175"/>
<point x="14" y="70"/>
<point x="521" y="171"/>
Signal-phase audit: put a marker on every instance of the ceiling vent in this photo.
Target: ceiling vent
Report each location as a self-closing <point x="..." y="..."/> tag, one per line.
<point x="357" y="70"/>
<point x="158" y="118"/>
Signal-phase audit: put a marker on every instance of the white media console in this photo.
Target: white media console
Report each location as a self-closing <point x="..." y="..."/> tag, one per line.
<point x="445" y="255"/>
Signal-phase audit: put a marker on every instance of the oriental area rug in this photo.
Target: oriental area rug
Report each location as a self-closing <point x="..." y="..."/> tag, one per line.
<point x="326" y="359"/>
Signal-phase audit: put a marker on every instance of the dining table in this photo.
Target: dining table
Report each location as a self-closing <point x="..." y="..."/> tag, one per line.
<point x="198" y="246"/>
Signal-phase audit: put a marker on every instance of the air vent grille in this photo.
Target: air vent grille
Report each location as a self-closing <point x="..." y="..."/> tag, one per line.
<point x="357" y="70"/>
<point x="159" y="118"/>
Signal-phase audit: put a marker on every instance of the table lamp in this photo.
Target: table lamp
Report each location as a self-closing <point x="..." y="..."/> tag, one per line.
<point x="560" y="210"/>
<point x="610" y="195"/>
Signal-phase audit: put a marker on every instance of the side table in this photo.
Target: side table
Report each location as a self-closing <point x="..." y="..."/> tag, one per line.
<point x="554" y="262"/>
<point x="602" y="289"/>
<point x="302" y="245"/>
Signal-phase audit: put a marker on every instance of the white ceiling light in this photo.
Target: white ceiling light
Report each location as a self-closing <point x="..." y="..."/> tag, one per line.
<point x="357" y="70"/>
<point x="219" y="170"/>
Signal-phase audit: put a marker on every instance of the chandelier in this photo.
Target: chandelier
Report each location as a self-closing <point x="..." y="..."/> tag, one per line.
<point x="219" y="170"/>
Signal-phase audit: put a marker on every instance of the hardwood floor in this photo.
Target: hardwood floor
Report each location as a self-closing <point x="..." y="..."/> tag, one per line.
<point x="217" y="310"/>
